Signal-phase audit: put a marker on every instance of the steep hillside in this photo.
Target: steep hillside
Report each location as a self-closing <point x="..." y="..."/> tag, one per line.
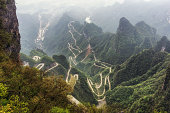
<point x="96" y="53"/>
<point x="155" y="13"/>
<point x="25" y="89"/>
<point x="136" y="85"/>
<point x="108" y="47"/>
<point x="163" y="45"/>
<point x="127" y="71"/>
<point x="29" y="27"/>
<point x="140" y="82"/>
<point x="48" y="66"/>
<point x="9" y="32"/>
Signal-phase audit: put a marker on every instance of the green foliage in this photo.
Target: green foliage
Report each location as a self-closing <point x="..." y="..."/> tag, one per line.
<point x="59" y="110"/>
<point x="146" y="44"/>
<point x="91" y="29"/>
<point x="58" y="42"/>
<point x="136" y="82"/>
<point x="18" y="106"/>
<point x="138" y="65"/>
<point x="111" y="48"/>
<point x="33" y="91"/>
<point x="147" y="33"/>
<point x="164" y="42"/>
<point x="162" y="99"/>
<point x="156" y="111"/>
<point x="47" y="60"/>
<point x="141" y="98"/>
<point x="119" y="95"/>
<point x="115" y="108"/>
<point x="37" y="52"/>
<point x="147" y="83"/>
<point x="81" y="89"/>
<point x="59" y="70"/>
<point x="26" y="58"/>
<point x="142" y="105"/>
<point x="93" y="109"/>
<point x="72" y="81"/>
<point x="61" y="59"/>
<point x="142" y="78"/>
<point x="13" y="105"/>
<point x="5" y="40"/>
<point x="3" y="90"/>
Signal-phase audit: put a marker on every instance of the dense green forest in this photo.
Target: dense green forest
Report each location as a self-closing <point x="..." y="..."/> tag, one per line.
<point x="84" y="70"/>
<point x="140" y="84"/>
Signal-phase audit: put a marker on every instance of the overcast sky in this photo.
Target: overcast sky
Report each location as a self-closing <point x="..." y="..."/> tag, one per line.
<point x="34" y="5"/>
<point x="30" y="5"/>
<point x="70" y="2"/>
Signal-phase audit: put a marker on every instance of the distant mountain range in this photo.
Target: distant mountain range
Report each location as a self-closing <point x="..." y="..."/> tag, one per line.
<point x="155" y="14"/>
<point x="128" y="40"/>
<point x="71" y="65"/>
<point x="127" y="70"/>
<point x="123" y="63"/>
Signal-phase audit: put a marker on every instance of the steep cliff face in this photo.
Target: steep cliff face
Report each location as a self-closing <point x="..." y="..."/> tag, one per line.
<point x="163" y="45"/>
<point x="125" y="27"/>
<point x="9" y="25"/>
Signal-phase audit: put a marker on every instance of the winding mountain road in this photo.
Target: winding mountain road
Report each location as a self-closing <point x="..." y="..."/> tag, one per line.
<point x="100" y="64"/>
<point x="55" y="65"/>
<point x="40" y="66"/>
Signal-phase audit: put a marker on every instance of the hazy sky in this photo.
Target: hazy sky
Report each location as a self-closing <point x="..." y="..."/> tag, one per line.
<point x="70" y="2"/>
<point x="34" y="5"/>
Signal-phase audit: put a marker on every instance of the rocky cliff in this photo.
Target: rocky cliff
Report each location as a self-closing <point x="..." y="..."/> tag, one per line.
<point x="9" y="29"/>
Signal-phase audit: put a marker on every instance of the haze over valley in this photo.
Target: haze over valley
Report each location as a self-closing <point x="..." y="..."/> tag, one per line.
<point x="85" y="56"/>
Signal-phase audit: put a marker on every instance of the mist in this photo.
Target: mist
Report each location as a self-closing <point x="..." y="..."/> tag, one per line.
<point x="104" y="13"/>
<point x="81" y="8"/>
<point x="49" y="6"/>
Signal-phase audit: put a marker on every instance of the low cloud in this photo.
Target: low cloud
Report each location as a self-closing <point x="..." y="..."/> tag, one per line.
<point x="147" y="0"/>
<point x="34" y="5"/>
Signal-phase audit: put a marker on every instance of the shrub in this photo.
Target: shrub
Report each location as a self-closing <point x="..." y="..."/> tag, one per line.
<point x="59" y="110"/>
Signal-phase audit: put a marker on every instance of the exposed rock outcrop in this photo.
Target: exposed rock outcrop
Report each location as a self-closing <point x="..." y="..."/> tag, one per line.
<point x="9" y="24"/>
<point x="125" y="27"/>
